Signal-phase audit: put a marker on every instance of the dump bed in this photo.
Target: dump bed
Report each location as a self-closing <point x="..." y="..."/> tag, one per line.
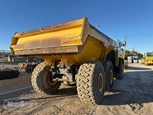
<point x="65" y="38"/>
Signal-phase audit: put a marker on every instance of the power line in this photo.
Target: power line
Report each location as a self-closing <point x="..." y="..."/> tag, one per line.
<point x="54" y="8"/>
<point x="26" y="12"/>
<point x="67" y="8"/>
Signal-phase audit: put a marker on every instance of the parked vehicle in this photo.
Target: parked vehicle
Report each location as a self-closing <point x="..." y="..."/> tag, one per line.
<point x="148" y="58"/>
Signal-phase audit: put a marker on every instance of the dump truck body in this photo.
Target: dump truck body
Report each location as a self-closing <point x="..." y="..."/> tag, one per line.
<point x="74" y="42"/>
<point x="74" y="52"/>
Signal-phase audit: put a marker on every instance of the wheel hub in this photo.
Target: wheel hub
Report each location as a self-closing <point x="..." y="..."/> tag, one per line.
<point x="100" y="82"/>
<point x="50" y="79"/>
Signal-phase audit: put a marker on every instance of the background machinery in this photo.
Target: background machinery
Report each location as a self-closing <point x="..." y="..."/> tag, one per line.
<point x="148" y="58"/>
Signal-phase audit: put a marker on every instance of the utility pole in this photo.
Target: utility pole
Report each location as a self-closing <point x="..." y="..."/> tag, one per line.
<point x="133" y="48"/>
<point x="125" y="45"/>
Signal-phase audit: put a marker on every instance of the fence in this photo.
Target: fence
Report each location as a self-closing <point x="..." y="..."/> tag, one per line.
<point x="4" y="54"/>
<point x="8" y="60"/>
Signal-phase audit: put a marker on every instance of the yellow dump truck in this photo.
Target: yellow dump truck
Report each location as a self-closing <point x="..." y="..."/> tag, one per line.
<point x="148" y="58"/>
<point x="74" y="52"/>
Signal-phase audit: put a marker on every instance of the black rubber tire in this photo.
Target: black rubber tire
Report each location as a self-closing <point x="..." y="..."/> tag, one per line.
<point x="109" y="75"/>
<point x="40" y="81"/>
<point x="8" y="74"/>
<point x="87" y="82"/>
<point x="120" y="75"/>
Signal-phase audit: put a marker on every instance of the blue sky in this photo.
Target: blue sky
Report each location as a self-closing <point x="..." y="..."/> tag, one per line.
<point x="117" y="18"/>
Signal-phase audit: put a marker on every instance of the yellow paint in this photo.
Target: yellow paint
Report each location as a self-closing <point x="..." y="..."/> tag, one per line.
<point x="74" y="33"/>
<point x="148" y="59"/>
<point x="65" y="38"/>
<point x="93" y="50"/>
<point x="68" y="35"/>
<point x="142" y="61"/>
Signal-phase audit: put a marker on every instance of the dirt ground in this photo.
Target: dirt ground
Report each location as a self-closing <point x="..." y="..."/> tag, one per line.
<point x="133" y="95"/>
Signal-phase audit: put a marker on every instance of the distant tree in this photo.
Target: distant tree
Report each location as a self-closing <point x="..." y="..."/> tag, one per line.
<point x="140" y="55"/>
<point x="127" y="52"/>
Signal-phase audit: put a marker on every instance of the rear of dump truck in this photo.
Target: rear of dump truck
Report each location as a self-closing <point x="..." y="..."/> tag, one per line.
<point x="74" y="52"/>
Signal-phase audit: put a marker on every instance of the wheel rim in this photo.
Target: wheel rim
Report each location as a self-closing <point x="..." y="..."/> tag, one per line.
<point x="50" y="80"/>
<point x="111" y="76"/>
<point x="100" y="82"/>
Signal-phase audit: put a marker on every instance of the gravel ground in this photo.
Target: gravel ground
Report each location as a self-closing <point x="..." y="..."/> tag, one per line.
<point x="133" y="95"/>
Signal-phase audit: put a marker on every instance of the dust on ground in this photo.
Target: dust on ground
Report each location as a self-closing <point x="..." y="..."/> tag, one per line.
<point x="133" y="95"/>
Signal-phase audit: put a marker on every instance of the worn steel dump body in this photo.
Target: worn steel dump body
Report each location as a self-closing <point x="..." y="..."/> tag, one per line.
<point x="75" y="52"/>
<point x="76" y="41"/>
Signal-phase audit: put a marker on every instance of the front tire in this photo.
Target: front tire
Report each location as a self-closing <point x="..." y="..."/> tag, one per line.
<point x="121" y="70"/>
<point x="91" y="82"/>
<point x="41" y="80"/>
<point x="109" y="75"/>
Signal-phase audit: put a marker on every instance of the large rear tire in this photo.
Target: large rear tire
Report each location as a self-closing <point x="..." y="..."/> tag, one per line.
<point x="109" y="75"/>
<point x="41" y="80"/>
<point x="91" y="82"/>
